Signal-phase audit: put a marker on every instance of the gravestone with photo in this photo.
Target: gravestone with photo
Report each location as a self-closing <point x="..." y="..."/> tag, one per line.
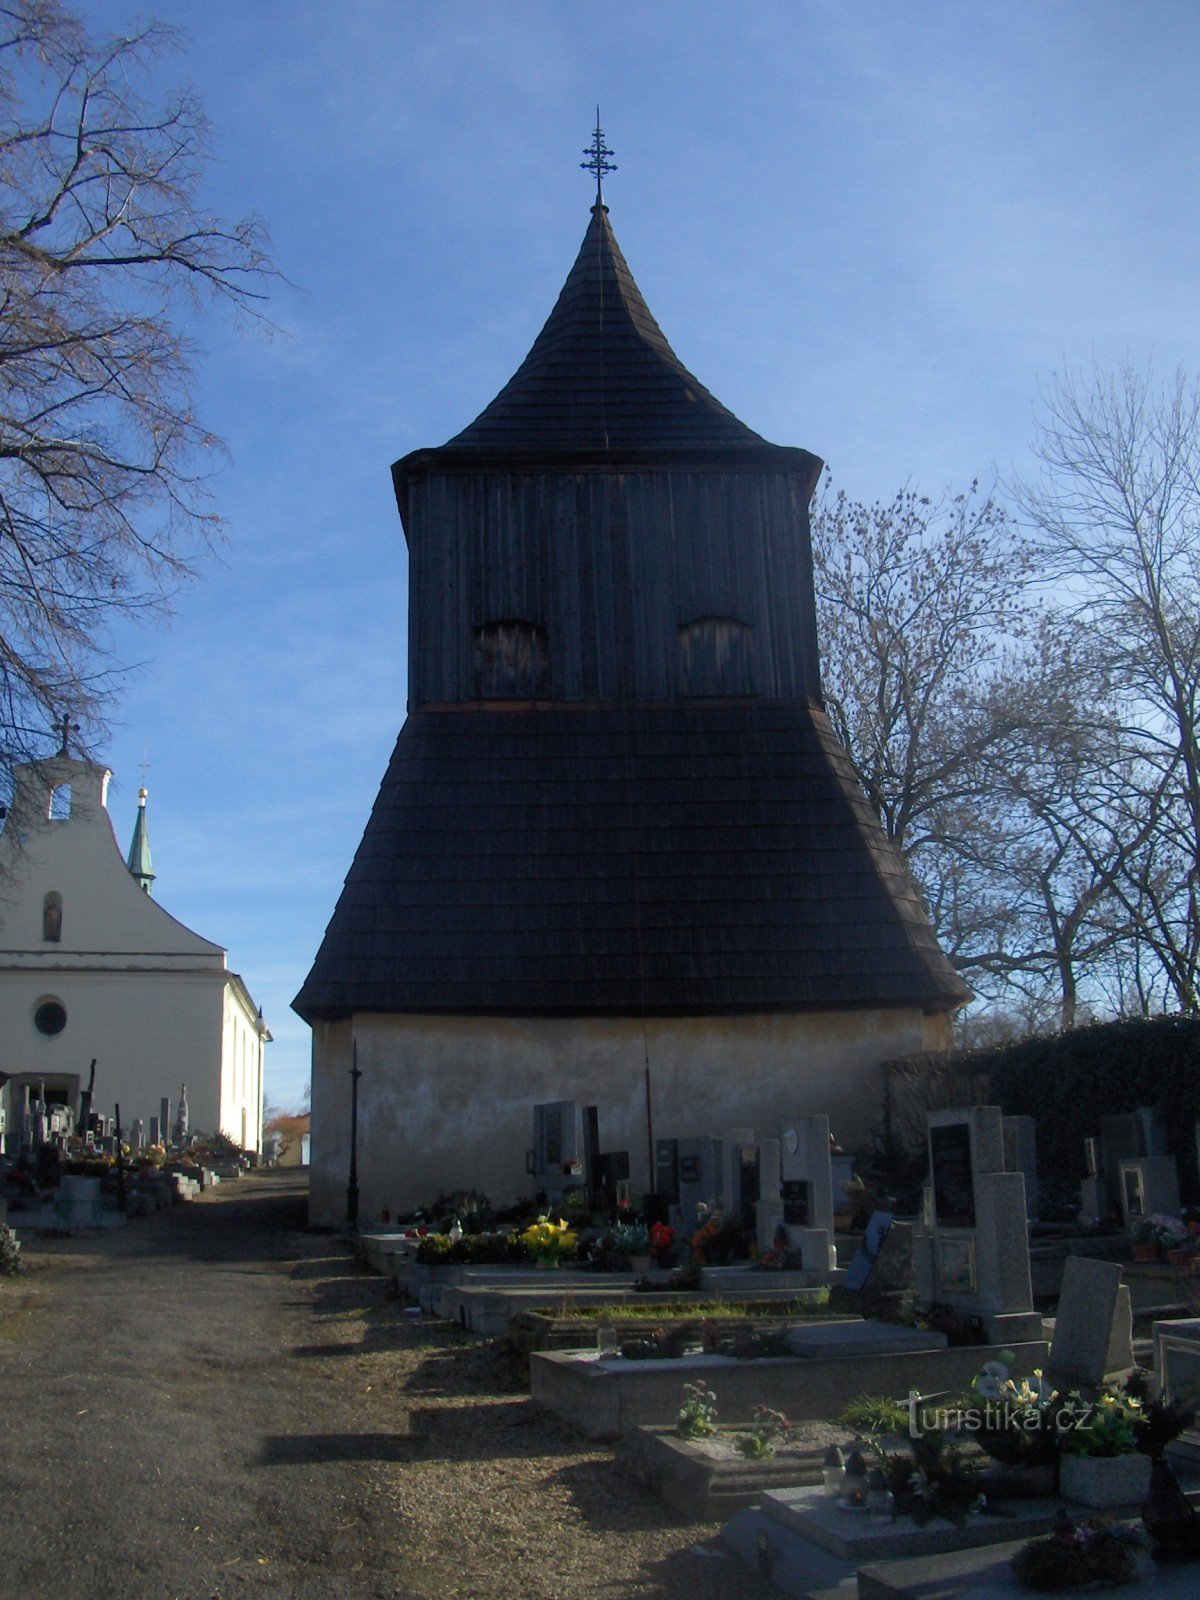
<point x="1149" y="1188"/>
<point x="1127" y="1136"/>
<point x="971" y="1249"/>
<point x="807" y="1190"/>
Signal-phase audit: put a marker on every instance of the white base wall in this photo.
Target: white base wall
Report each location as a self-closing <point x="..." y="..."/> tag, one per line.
<point x="447" y="1102"/>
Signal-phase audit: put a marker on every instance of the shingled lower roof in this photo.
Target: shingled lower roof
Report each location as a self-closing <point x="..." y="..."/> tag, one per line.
<point x="601" y="375"/>
<point x="616" y="862"/>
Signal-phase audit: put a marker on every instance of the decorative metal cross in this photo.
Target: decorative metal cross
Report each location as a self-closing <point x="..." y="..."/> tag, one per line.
<point x="66" y="727"/>
<point x="597" y="154"/>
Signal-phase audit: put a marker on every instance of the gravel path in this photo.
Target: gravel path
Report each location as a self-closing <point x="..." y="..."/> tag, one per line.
<point x="213" y="1402"/>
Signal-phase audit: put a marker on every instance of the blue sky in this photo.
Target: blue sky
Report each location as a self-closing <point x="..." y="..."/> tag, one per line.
<point x="871" y="229"/>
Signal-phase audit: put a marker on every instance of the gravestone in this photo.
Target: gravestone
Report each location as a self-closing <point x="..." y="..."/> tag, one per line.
<point x="971" y="1249"/>
<point x="138" y="1135"/>
<point x="807" y="1191"/>
<point x="1084" y="1321"/>
<point x="887" y="1272"/>
<point x="164" y="1118"/>
<point x="556" y="1167"/>
<point x="768" y="1210"/>
<point x="1149" y="1188"/>
<point x="1094" y="1189"/>
<point x="701" y="1172"/>
<point x="612" y="1179"/>
<point x="741" y="1174"/>
<point x="1020" y="1155"/>
<point x="591" y="1155"/>
<point x="1125" y="1137"/>
<point x="155" y="1131"/>
<point x="666" y="1171"/>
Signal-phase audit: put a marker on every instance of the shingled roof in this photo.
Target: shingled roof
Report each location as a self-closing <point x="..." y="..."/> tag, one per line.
<point x="650" y="860"/>
<point x="601" y="375"/>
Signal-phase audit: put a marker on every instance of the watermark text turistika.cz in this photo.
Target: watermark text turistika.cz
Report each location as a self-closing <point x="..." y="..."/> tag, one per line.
<point x="994" y="1416"/>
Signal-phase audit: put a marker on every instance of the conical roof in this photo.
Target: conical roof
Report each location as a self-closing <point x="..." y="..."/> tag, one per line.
<point x="138" y="859"/>
<point x="601" y="375"/>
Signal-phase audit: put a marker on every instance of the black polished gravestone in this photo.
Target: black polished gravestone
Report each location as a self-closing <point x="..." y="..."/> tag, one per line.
<point x="953" y="1178"/>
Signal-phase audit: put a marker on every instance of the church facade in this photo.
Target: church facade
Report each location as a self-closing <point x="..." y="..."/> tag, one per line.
<point x="91" y="966"/>
<point x="618" y="855"/>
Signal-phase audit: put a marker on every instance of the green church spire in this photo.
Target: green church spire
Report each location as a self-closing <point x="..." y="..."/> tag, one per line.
<point x="138" y="859"/>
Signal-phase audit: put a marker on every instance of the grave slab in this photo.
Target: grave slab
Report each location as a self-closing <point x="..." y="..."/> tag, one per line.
<point x="855" y="1537"/>
<point x="605" y="1399"/>
<point x="862" y="1338"/>
<point x="986" y="1574"/>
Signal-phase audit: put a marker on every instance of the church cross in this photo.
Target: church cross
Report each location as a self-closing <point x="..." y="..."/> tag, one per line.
<point x="597" y="154"/>
<point x="66" y="728"/>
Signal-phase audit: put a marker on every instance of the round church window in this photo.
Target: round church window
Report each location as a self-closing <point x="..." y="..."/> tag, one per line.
<point x="50" y="1017"/>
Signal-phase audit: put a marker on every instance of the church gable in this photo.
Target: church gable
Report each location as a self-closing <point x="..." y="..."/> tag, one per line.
<point x="68" y="891"/>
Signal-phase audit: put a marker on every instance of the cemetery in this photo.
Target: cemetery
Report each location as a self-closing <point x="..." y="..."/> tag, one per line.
<point x="67" y="1168"/>
<point x="721" y="1335"/>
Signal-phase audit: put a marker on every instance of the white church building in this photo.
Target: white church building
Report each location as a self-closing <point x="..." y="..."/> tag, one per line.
<point x="92" y="967"/>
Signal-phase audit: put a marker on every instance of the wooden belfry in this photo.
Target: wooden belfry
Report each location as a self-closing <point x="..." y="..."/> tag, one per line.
<point x="616" y="792"/>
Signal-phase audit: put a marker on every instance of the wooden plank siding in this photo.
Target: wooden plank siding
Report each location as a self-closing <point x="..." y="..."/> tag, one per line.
<point x="611" y="566"/>
<point x="660" y="860"/>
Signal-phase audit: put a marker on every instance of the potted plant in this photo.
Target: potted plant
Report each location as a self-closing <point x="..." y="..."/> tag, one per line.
<point x="548" y="1242"/>
<point x="1015" y="1421"/>
<point x="1100" y="1464"/>
<point x="631" y="1241"/>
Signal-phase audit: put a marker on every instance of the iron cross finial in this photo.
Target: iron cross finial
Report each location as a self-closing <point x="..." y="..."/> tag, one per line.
<point x="597" y="154"/>
<point x="66" y="728"/>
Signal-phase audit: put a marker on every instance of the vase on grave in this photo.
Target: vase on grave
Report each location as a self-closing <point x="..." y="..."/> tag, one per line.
<point x="1104" y="1482"/>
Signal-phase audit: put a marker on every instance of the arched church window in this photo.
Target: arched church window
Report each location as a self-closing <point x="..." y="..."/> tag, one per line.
<point x="52" y="917"/>
<point x="60" y="802"/>
<point x="511" y="661"/>
<point x="715" y="657"/>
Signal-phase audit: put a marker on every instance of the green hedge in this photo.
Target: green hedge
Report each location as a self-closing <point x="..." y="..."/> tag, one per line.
<point x="1071" y="1081"/>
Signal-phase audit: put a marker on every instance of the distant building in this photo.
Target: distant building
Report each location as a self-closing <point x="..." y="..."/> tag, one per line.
<point x="91" y="966"/>
<point x="618" y="855"/>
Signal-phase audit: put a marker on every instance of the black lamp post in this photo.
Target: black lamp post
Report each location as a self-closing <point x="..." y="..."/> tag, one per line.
<point x="352" y="1186"/>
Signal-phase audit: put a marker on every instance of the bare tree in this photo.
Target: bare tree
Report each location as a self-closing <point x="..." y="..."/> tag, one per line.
<point x="962" y="705"/>
<point x="104" y="240"/>
<point x="922" y="607"/>
<point x="1117" y="514"/>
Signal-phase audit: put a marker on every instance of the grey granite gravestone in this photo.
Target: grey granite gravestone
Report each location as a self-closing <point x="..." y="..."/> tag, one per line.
<point x="1083" y="1324"/>
<point x="741" y="1174"/>
<point x="807" y="1189"/>
<point x="701" y="1175"/>
<point x="971" y="1249"/>
<point x="1020" y="1155"/>
<point x="768" y="1216"/>
<point x="557" y="1165"/>
<point x="1149" y="1188"/>
<point x="1094" y="1204"/>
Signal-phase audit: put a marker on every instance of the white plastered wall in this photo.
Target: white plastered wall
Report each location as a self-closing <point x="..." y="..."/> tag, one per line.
<point x="447" y="1102"/>
<point x="143" y="994"/>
